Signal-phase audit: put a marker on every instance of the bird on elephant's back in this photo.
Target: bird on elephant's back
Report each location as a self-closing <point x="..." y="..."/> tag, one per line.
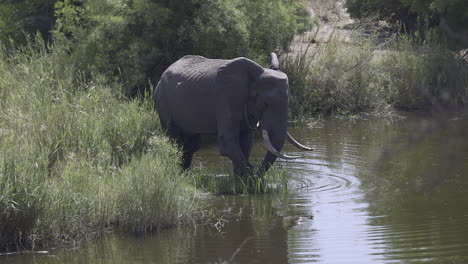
<point x="229" y="98"/>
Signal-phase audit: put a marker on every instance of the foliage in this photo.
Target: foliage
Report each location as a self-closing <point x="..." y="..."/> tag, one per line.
<point x="76" y="159"/>
<point x="21" y="18"/>
<point x="137" y="40"/>
<point x="338" y="78"/>
<point x="449" y="17"/>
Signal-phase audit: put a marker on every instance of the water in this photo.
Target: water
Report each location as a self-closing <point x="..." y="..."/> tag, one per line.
<point x="370" y="192"/>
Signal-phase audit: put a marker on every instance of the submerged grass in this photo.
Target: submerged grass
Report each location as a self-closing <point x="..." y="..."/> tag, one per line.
<point x="215" y="180"/>
<point x="371" y="76"/>
<point x="76" y="158"/>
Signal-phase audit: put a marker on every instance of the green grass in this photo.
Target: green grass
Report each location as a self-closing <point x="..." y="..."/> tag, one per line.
<point x="215" y="180"/>
<point x="365" y="76"/>
<point x="76" y="158"/>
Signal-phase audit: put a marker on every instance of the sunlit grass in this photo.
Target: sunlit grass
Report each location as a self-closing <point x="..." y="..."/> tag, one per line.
<point x="220" y="181"/>
<point x="371" y="76"/>
<point x="77" y="159"/>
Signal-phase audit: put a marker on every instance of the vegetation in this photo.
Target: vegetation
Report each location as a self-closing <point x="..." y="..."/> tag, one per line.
<point x="77" y="156"/>
<point x="135" y="41"/>
<point x="216" y="181"/>
<point x="449" y="17"/>
<point x="76" y="159"/>
<point x="403" y="73"/>
<point x="19" y="18"/>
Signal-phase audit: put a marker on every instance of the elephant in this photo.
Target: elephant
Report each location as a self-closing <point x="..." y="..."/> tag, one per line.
<point x="228" y="98"/>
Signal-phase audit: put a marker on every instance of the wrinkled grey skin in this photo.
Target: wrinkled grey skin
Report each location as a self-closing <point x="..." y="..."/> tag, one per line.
<point x="196" y="95"/>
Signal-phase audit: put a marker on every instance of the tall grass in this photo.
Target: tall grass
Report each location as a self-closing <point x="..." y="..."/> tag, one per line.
<point x="367" y="76"/>
<point x="76" y="158"/>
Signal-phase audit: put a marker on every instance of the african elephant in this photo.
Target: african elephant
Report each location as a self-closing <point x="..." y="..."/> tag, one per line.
<point x="230" y="98"/>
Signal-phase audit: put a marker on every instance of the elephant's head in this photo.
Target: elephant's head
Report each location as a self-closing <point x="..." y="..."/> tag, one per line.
<point x="252" y="95"/>
<point x="268" y="103"/>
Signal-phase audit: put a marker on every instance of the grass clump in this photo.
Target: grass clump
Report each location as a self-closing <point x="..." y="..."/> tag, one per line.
<point x="215" y="180"/>
<point x="329" y="80"/>
<point x="423" y="76"/>
<point x="339" y="78"/>
<point x="76" y="158"/>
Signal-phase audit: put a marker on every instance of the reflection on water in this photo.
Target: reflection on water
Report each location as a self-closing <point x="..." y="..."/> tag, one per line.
<point x="371" y="192"/>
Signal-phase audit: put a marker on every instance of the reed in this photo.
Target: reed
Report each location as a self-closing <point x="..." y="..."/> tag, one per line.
<point x="369" y="75"/>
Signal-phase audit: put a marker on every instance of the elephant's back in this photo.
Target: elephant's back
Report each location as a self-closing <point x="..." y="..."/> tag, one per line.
<point x="192" y="71"/>
<point x="196" y="65"/>
<point x="186" y="93"/>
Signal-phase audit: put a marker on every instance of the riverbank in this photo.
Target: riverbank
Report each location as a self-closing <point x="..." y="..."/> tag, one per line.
<point x="347" y="67"/>
<point x="76" y="158"/>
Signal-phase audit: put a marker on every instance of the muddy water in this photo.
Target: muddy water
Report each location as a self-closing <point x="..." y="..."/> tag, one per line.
<point x="371" y="192"/>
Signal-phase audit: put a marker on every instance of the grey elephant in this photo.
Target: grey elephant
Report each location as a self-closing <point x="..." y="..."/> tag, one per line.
<point x="229" y="98"/>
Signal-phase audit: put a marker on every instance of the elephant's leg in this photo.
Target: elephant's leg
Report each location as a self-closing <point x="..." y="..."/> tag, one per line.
<point x="246" y="142"/>
<point x="230" y="146"/>
<point x="191" y="143"/>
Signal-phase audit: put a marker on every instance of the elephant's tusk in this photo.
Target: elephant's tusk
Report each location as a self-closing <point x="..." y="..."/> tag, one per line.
<point x="297" y="144"/>
<point x="269" y="146"/>
<point x="274" y="64"/>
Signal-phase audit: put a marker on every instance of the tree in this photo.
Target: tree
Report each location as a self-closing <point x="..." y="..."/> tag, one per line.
<point x="19" y="18"/>
<point x="136" y="40"/>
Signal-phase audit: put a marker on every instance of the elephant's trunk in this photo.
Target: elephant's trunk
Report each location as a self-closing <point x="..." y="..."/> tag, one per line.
<point x="275" y="128"/>
<point x="274" y="135"/>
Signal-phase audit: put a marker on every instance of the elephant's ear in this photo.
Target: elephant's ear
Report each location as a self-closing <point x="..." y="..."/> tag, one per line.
<point x="233" y="82"/>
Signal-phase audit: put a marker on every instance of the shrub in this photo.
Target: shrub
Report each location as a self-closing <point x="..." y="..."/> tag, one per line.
<point x="18" y="19"/>
<point x="137" y="40"/>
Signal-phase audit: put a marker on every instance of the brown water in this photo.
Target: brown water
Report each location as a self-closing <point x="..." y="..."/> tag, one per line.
<point x="371" y="192"/>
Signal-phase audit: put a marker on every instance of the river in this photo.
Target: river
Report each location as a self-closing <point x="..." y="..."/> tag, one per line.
<point x="372" y="191"/>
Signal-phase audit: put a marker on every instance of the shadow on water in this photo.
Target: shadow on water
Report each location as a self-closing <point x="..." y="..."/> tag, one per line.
<point x="370" y="192"/>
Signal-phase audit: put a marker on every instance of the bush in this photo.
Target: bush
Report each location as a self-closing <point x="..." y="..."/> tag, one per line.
<point x="18" y="19"/>
<point x="137" y="40"/>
